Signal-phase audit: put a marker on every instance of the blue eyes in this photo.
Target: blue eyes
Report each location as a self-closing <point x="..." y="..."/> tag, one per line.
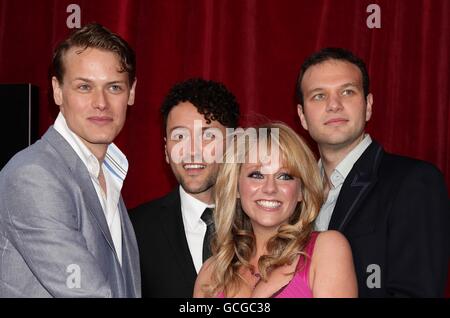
<point x="256" y="175"/>
<point x="348" y="92"/>
<point x="84" y="87"/>
<point x="285" y="176"/>
<point x="115" y="89"/>
<point x="279" y="176"/>
<point x="321" y="96"/>
<point x="318" y="97"/>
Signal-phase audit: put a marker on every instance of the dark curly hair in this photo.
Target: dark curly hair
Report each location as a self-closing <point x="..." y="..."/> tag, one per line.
<point x="212" y="99"/>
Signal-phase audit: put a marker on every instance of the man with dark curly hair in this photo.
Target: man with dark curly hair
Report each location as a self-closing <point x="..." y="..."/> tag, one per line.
<point x="173" y="232"/>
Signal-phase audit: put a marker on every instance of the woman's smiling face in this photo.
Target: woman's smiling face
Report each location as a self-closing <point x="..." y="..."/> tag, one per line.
<point x="269" y="199"/>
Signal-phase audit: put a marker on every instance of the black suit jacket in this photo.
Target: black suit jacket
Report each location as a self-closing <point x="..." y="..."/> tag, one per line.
<point x="394" y="211"/>
<point x="167" y="267"/>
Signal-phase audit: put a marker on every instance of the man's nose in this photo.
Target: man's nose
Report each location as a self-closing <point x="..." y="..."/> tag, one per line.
<point x="196" y="148"/>
<point x="334" y="103"/>
<point x="100" y="100"/>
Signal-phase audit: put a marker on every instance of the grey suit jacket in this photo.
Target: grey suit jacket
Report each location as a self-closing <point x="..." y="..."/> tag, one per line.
<point x="54" y="239"/>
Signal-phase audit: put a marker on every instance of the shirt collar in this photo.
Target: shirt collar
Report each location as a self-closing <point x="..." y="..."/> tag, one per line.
<point x="192" y="209"/>
<point x="342" y="170"/>
<point x="115" y="161"/>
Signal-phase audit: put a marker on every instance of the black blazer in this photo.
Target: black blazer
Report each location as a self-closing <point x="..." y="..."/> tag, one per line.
<point x="167" y="267"/>
<point x="395" y="213"/>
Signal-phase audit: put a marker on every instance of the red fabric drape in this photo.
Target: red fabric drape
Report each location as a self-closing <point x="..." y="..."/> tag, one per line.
<point x="254" y="47"/>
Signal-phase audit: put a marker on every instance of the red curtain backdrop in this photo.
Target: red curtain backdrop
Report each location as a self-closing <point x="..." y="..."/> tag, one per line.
<point x="255" y="47"/>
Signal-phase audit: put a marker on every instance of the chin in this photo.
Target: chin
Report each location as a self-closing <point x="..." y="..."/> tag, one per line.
<point x="336" y="141"/>
<point x="103" y="134"/>
<point x="270" y="226"/>
<point x="101" y="140"/>
<point x="195" y="188"/>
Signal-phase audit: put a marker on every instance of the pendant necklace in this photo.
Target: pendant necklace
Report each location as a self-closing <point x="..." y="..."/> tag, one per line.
<point x="257" y="276"/>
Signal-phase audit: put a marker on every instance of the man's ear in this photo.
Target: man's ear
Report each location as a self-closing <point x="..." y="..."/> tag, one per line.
<point x="369" y="103"/>
<point x="57" y="91"/>
<point x="301" y="115"/>
<point x="165" y="150"/>
<point x="132" y="93"/>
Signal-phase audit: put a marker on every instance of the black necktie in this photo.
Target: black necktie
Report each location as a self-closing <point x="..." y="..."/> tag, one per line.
<point x="207" y="217"/>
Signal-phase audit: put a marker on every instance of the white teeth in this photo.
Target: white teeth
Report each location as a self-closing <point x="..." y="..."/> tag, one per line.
<point x="269" y="204"/>
<point x="193" y="166"/>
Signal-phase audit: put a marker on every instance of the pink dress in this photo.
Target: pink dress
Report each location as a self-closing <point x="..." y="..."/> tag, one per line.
<point x="298" y="287"/>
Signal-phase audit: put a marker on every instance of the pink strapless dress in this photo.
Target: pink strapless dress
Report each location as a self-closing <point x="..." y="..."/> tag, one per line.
<point x="298" y="287"/>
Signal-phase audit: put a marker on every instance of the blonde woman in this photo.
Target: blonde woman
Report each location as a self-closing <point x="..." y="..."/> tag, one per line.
<point x="264" y="245"/>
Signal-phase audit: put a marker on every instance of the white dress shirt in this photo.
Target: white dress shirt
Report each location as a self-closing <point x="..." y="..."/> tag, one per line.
<point x="114" y="167"/>
<point x="337" y="180"/>
<point x="194" y="227"/>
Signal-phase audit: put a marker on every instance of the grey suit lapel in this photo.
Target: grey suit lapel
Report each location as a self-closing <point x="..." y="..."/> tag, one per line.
<point x="356" y="187"/>
<point x="130" y="254"/>
<point x="81" y="175"/>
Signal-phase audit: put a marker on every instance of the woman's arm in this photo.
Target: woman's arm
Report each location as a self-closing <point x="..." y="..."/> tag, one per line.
<point x="203" y="278"/>
<point x="332" y="273"/>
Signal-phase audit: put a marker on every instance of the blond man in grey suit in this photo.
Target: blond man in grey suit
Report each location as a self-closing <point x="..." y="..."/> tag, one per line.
<point x="64" y="229"/>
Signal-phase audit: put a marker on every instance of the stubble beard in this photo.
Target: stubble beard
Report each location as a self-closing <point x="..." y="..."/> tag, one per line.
<point x="204" y="186"/>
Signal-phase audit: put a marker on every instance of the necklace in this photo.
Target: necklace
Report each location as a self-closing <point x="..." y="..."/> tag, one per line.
<point x="254" y="273"/>
<point x="257" y="277"/>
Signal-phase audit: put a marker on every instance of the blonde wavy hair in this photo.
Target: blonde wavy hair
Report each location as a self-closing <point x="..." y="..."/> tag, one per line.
<point x="234" y="242"/>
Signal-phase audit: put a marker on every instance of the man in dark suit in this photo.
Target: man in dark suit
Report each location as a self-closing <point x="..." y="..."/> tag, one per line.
<point x="393" y="210"/>
<point x="172" y="232"/>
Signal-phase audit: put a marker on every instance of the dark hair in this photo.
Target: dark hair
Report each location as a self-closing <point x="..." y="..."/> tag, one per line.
<point x="332" y="54"/>
<point x="212" y="99"/>
<point x="94" y="35"/>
